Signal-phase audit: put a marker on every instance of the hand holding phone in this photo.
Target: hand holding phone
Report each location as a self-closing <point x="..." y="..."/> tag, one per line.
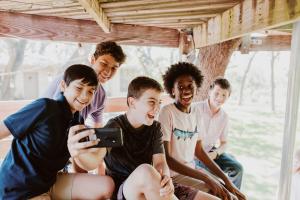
<point x="109" y="137"/>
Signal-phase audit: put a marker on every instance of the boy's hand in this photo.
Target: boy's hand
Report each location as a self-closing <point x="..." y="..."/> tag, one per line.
<point x="235" y="191"/>
<point x="219" y="190"/>
<point x="167" y="187"/>
<point x="212" y="155"/>
<point x="74" y="146"/>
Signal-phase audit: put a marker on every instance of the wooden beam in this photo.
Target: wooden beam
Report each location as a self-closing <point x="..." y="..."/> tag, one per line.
<point x="271" y="43"/>
<point x="118" y="4"/>
<point x="173" y="22"/>
<point x="94" y="9"/>
<point x="173" y="5"/>
<point x="75" y="30"/>
<point x="177" y="15"/>
<point x="246" y="17"/>
<point x="183" y="8"/>
<point x="163" y="19"/>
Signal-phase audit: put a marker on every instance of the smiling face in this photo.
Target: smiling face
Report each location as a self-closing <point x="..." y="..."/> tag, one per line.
<point x="105" y="67"/>
<point x="184" y="91"/>
<point x="218" y="96"/>
<point x="146" y="107"/>
<point x="78" y="94"/>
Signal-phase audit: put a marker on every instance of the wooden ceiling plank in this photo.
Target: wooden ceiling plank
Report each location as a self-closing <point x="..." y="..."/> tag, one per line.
<point x="171" y="23"/>
<point x="162" y="18"/>
<point x="87" y="31"/>
<point x="133" y="3"/>
<point x="192" y="14"/>
<point x="173" y="5"/>
<point x="55" y="10"/>
<point x="138" y="4"/>
<point x="246" y="17"/>
<point x="171" y="9"/>
<point x="94" y="9"/>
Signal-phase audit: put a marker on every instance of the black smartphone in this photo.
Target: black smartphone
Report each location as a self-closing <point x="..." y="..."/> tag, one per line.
<point x="109" y="137"/>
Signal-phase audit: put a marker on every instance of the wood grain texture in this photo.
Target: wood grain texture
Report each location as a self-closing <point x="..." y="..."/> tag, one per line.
<point x="61" y="29"/>
<point x="246" y="17"/>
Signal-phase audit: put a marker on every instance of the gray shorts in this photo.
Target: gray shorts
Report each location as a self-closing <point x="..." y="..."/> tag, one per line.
<point x="120" y="195"/>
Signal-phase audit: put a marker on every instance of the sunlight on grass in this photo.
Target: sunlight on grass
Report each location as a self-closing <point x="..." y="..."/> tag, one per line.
<point x="256" y="141"/>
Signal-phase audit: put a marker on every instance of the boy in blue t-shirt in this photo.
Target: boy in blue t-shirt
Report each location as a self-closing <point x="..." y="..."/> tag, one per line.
<point x="42" y="145"/>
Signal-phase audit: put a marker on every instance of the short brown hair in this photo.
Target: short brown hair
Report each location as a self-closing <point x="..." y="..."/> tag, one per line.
<point x="111" y="48"/>
<point x="140" y="84"/>
<point x="222" y="82"/>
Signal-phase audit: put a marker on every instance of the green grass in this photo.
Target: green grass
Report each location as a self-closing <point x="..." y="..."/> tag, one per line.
<point x="255" y="138"/>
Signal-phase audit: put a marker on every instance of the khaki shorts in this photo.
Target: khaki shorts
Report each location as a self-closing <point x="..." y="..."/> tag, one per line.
<point x="189" y="181"/>
<point x="62" y="188"/>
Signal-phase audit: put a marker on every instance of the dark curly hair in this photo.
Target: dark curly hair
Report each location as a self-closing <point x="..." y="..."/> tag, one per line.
<point x="180" y="69"/>
<point x="111" y="48"/>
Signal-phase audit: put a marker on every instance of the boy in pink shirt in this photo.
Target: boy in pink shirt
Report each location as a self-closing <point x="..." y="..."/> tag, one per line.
<point x="215" y="130"/>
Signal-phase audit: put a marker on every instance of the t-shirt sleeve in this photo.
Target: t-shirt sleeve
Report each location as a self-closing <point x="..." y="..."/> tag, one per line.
<point x="20" y="122"/>
<point x="199" y="120"/>
<point x="158" y="146"/>
<point x="112" y="124"/>
<point x="201" y="128"/>
<point x="224" y="131"/>
<point x="53" y="89"/>
<point x="97" y="115"/>
<point x="165" y="119"/>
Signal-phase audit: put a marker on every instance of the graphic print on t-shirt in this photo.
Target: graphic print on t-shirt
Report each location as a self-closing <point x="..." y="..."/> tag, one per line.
<point x="180" y="134"/>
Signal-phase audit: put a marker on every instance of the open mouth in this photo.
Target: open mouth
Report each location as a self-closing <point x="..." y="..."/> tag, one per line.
<point x="151" y="116"/>
<point x="187" y="99"/>
<point x="104" y="78"/>
<point x="80" y="102"/>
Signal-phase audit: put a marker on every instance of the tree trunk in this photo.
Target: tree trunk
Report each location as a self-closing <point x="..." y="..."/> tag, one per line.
<point x="213" y="61"/>
<point x="15" y="50"/>
<point x="244" y="79"/>
<point x="273" y="58"/>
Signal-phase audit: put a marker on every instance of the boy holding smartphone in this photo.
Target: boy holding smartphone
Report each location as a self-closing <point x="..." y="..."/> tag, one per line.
<point x="139" y="167"/>
<point x="42" y="145"/>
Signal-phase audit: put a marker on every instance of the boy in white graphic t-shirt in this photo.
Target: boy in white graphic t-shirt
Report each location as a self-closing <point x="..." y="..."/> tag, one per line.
<point x="181" y="136"/>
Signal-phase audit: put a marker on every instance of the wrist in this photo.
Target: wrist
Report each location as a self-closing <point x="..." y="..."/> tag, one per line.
<point x="217" y="154"/>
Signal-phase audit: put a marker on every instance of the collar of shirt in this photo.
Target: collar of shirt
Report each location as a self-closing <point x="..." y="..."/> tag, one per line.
<point x="66" y="108"/>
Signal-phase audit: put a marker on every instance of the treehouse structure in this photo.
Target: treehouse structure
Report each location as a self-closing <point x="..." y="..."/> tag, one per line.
<point x="215" y="27"/>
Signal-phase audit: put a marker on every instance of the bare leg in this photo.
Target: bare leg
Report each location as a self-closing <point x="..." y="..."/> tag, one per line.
<point x="82" y="186"/>
<point x="143" y="183"/>
<point x="87" y="186"/>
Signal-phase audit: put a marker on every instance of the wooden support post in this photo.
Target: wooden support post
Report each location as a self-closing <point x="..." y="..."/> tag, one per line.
<point x="291" y="115"/>
<point x="94" y="9"/>
<point x="186" y="46"/>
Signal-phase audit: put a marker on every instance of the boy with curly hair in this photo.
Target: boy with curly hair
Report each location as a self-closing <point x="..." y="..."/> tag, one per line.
<point x="181" y="135"/>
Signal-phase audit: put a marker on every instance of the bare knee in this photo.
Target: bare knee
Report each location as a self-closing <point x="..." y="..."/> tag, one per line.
<point x="147" y="174"/>
<point x="107" y="184"/>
